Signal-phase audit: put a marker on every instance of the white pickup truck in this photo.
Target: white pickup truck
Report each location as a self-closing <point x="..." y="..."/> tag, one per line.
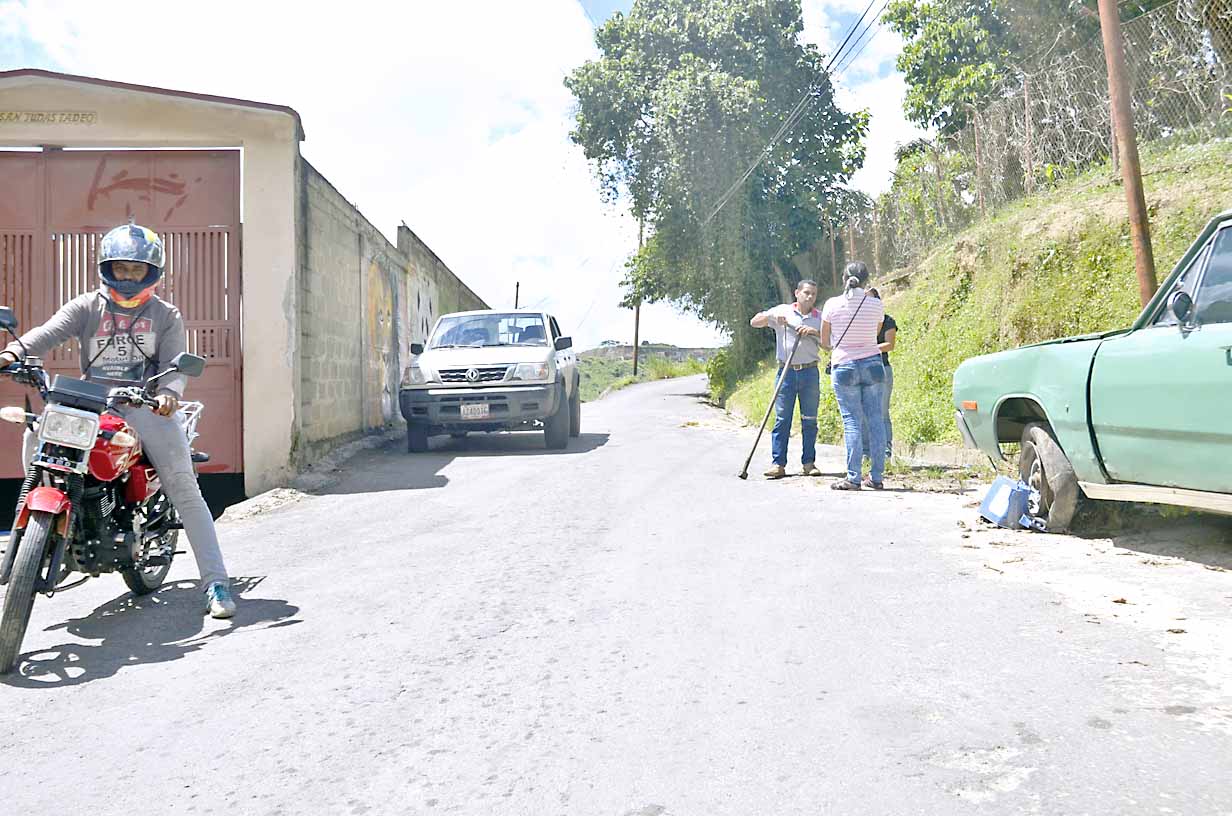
<point x="492" y="371"/>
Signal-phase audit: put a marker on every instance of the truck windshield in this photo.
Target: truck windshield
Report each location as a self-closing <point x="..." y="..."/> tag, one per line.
<point x="490" y="329"/>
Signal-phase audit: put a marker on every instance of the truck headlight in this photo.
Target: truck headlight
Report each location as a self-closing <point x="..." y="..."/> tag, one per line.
<point x="532" y="372"/>
<point x="414" y="375"/>
<point x="72" y="429"/>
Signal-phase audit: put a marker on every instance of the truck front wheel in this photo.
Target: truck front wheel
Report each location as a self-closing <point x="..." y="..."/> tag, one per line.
<point x="416" y="438"/>
<point x="556" y="427"/>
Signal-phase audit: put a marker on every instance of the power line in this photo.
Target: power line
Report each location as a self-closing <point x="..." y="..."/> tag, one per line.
<point x="874" y="28"/>
<point x="797" y="113"/>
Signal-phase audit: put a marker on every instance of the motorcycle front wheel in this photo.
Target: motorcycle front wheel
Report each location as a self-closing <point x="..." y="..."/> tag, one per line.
<point x="19" y="594"/>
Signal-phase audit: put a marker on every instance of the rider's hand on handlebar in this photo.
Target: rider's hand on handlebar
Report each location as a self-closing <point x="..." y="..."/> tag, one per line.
<point x="7" y="358"/>
<point x="167" y="405"/>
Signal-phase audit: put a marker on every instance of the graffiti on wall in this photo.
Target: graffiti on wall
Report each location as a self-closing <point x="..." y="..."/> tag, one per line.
<point x="383" y="343"/>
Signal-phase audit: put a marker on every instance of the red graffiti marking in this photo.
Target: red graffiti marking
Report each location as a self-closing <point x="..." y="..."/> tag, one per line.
<point x="146" y="187"/>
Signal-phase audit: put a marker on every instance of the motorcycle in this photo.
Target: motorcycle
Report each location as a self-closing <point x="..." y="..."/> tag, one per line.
<point x="91" y="502"/>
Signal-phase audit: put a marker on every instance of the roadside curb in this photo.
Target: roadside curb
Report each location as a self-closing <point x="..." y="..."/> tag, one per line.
<point x="317" y="476"/>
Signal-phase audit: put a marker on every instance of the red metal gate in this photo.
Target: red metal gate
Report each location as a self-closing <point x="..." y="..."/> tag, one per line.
<point x="54" y="208"/>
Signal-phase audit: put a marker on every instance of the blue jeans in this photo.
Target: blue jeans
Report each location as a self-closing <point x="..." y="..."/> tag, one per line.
<point x="803" y="385"/>
<point x="885" y="415"/>
<point x="859" y="387"/>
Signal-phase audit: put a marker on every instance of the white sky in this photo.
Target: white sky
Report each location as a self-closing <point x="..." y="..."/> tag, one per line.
<point x="450" y="116"/>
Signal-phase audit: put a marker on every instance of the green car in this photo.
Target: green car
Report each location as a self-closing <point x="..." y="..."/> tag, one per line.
<point x="1142" y="414"/>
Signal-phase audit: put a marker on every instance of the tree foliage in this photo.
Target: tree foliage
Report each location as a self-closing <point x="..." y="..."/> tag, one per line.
<point x="683" y="98"/>
<point x="958" y="54"/>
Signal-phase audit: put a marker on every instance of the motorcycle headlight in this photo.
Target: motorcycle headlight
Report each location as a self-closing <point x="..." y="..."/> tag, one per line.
<point x="73" y="429"/>
<point x="532" y="372"/>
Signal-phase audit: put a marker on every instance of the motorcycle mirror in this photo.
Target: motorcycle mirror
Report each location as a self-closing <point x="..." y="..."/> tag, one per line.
<point x="8" y="320"/>
<point x="416" y="348"/>
<point x="190" y="365"/>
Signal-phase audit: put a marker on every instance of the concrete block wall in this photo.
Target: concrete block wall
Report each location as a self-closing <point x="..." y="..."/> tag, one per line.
<point x="362" y="303"/>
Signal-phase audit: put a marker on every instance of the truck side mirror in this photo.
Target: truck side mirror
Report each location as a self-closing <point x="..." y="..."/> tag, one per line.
<point x="1181" y="306"/>
<point x="563" y="343"/>
<point x="416" y="348"/>
<point x="8" y="320"/>
<point x="190" y="365"/>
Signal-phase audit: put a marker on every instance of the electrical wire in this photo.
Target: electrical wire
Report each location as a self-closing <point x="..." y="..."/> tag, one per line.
<point x="797" y="113"/>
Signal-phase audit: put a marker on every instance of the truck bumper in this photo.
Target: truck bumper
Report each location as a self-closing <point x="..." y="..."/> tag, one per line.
<point x="507" y="407"/>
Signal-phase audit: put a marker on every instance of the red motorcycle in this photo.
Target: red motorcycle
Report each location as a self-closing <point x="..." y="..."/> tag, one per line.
<point x="91" y="502"/>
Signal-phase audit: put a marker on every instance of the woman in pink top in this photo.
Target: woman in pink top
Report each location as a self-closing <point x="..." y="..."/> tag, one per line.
<point x="849" y="326"/>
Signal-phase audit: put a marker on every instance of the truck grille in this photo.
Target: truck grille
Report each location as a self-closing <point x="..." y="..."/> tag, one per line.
<point x="484" y="374"/>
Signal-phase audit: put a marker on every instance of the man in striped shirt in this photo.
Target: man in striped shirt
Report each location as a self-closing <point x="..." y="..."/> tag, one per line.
<point x="801" y="380"/>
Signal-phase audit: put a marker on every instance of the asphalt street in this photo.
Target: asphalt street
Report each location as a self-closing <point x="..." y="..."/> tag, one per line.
<point x="625" y="628"/>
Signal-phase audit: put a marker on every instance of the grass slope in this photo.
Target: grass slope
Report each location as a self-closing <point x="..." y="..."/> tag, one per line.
<point x="1055" y="264"/>
<point x="600" y="374"/>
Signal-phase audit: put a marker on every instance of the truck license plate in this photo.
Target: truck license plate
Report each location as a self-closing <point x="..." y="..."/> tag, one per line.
<point x="477" y="410"/>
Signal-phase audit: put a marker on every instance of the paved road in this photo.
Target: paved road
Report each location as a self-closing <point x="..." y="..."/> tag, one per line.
<point x="626" y="629"/>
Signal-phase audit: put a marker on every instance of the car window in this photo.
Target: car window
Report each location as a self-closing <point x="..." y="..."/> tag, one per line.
<point x="1185" y="283"/>
<point x="555" y="328"/>
<point x="1213" y="303"/>
<point x="490" y="329"/>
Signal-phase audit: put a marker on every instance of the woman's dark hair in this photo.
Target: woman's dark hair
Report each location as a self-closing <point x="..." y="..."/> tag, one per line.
<point x="856" y="274"/>
<point x="873" y="293"/>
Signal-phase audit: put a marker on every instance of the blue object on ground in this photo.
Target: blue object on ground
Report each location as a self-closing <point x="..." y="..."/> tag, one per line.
<point x="1006" y="503"/>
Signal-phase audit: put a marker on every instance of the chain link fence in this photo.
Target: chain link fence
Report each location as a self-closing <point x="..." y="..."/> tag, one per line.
<point x="1054" y="124"/>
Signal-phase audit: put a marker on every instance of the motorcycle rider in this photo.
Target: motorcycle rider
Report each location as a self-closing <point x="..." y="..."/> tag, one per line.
<point x="127" y="334"/>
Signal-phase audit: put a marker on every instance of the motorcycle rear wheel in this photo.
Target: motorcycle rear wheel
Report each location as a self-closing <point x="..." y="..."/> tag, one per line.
<point x="19" y="594"/>
<point x="145" y="581"/>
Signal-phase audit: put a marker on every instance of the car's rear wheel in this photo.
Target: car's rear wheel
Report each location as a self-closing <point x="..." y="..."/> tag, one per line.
<point x="416" y="437"/>
<point x="1044" y="466"/>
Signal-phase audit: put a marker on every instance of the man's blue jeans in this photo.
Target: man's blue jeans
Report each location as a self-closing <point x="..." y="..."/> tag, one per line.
<point x="887" y="390"/>
<point x="859" y="387"/>
<point x="803" y="385"/>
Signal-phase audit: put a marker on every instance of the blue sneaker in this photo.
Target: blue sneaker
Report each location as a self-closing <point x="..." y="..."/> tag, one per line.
<point x="218" y="600"/>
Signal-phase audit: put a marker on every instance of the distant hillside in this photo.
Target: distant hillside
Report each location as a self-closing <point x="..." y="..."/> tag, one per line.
<point x="670" y="352"/>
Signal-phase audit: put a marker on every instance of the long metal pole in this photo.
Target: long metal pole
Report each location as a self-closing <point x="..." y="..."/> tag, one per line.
<point x="1127" y="144"/>
<point x="517" y="290"/>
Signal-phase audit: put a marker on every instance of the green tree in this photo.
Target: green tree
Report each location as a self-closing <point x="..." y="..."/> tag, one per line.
<point x="684" y="96"/>
<point x="958" y="54"/>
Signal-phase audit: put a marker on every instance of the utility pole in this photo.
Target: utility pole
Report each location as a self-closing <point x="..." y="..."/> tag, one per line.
<point x="517" y="288"/>
<point x="833" y="254"/>
<point x="1127" y="144"/>
<point x="637" y="307"/>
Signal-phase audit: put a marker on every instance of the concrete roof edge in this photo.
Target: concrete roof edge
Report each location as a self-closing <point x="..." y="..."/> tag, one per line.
<point x="128" y="86"/>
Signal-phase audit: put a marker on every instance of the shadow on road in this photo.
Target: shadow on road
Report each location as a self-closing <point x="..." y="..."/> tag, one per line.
<point x="1151" y="530"/>
<point x="392" y="468"/>
<point x="156" y="628"/>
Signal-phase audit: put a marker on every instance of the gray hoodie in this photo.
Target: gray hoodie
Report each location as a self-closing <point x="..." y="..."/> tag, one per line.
<point x="118" y="346"/>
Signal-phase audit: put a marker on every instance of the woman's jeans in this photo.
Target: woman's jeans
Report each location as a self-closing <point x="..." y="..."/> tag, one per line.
<point x="859" y="387"/>
<point x="885" y="413"/>
<point x="803" y="385"/>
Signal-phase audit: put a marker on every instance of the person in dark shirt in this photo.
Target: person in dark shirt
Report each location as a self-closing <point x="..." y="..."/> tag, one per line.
<point x="885" y="341"/>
